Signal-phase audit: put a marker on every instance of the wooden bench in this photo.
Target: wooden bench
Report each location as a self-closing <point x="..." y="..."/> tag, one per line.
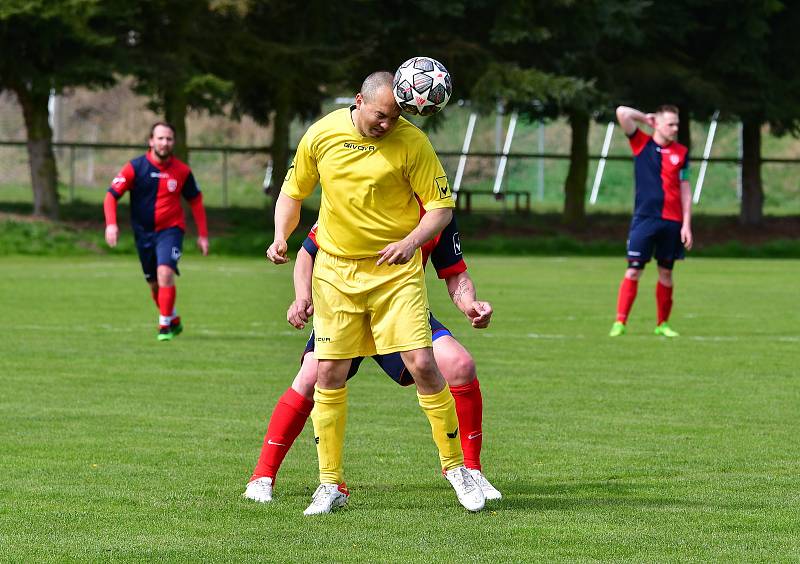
<point x="464" y="199"/>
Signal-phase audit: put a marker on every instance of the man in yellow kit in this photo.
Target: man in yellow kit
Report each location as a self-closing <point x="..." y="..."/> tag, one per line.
<point x="368" y="286"/>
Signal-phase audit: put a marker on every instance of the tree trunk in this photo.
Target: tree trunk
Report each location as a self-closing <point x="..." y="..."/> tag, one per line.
<point x="175" y="114"/>
<point x="42" y="161"/>
<point x="575" y="184"/>
<point x="280" y="142"/>
<point x="752" y="210"/>
<point x="684" y="127"/>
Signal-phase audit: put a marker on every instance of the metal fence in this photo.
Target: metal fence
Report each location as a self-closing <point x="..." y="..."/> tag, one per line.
<point x="237" y="176"/>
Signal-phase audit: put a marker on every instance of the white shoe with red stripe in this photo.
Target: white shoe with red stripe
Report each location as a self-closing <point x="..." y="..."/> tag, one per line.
<point x="326" y="498"/>
<point x="467" y="490"/>
<point x="490" y="492"/>
<point x="259" y="490"/>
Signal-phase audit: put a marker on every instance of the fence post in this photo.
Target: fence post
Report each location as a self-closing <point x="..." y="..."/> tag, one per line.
<point x="541" y="161"/>
<point x="712" y="129"/>
<point x="498" y="179"/>
<point x="462" y="161"/>
<point x="601" y="166"/>
<point x="224" y="178"/>
<point x="72" y="173"/>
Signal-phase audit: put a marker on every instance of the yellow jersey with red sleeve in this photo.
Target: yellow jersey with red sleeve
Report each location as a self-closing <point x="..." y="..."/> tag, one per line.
<point x="368" y="185"/>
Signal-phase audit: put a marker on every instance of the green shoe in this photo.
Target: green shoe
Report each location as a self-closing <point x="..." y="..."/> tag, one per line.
<point x="666" y="331"/>
<point x="176" y="329"/>
<point x="617" y="329"/>
<point x="165" y="334"/>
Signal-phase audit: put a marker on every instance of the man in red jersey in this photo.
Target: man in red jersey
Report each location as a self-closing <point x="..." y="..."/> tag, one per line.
<point x="662" y="217"/>
<point x="156" y="180"/>
<point x="454" y="361"/>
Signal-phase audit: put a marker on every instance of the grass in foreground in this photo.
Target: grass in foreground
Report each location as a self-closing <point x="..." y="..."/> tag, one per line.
<point x="116" y="447"/>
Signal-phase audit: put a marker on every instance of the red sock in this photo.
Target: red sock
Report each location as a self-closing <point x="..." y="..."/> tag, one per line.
<point x="663" y="301"/>
<point x="166" y="300"/>
<point x="627" y="293"/>
<point x="285" y="423"/>
<point x="469" y="409"/>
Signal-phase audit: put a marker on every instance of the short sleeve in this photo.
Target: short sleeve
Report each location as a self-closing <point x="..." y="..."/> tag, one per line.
<point x="302" y="176"/>
<point x="684" y="172"/>
<point x="310" y="244"/>
<point x="428" y="178"/>
<point x="123" y="181"/>
<point x="638" y="140"/>
<point x="446" y="256"/>
<point x="190" y="188"/>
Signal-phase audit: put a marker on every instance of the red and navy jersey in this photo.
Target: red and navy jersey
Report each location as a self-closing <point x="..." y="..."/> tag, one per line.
<point x="658" y="172"/>
<point x="444" y="250"/>
<point x="155" y="192"/>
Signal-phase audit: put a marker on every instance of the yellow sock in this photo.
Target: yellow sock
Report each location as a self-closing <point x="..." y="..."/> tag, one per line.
<point x="440" y="409"/>
<point x="330" y="416"/>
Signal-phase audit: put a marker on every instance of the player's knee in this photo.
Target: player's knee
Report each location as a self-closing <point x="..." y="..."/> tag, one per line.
<point x="460" y="371"/>
<point x="634" y="272"/>
<point x="166" y="276"/>
<point x="332" y="375"/>
<point x="304" y="382"/>
<point x="424" y="371"/>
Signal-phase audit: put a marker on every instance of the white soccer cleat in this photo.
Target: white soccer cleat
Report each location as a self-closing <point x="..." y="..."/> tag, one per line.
<point x="467" y="489"/>
<point x="259" y="490"/>
<point x="490" y="492"/>
<point x="326" y="498"/>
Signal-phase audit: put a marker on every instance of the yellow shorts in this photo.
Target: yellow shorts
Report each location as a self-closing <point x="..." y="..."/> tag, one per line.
<point x="361" y="309"/>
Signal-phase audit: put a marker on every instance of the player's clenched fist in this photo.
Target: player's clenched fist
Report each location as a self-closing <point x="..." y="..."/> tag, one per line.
<point x="299" y="312"/>
<point x="112" y="233"/>
<point x="276" y="252"/>
<point x="480" y="314"/>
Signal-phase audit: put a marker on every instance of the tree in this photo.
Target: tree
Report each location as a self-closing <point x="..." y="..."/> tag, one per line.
<point x="170" y="52"/>
<point x="574" y="71"/>
<point x="735" y="70"/>
<point x="289" y="58"/>
<point x="47" y="47"/>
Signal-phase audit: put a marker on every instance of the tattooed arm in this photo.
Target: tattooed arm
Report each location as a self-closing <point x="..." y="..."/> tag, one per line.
<point x="462" y="292"/>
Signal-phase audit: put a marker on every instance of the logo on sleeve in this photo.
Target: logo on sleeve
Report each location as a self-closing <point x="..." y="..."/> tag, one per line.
<point x="118" y="181"/>
<point x="456" y="244"/>
<point x="443" y="187"/>
<point x="289" y="173"/>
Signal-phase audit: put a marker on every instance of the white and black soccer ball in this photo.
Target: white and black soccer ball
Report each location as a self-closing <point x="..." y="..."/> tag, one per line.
<point x="422" y="86"/>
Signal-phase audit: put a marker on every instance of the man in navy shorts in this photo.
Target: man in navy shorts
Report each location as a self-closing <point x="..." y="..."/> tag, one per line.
<point x="662" y="217"/>
<point x="156" y="182"/>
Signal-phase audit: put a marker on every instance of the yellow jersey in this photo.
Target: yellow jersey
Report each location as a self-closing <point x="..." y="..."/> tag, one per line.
<point x="368" y="185"/>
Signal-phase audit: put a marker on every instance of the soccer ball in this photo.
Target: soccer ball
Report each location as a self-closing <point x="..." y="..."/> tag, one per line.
<point x="422" y="86"/>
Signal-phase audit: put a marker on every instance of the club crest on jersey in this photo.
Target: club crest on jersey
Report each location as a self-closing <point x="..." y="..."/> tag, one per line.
<point x="442" y="186"/>
<point x="172" y="184"/>
<point x="674" y="159"/>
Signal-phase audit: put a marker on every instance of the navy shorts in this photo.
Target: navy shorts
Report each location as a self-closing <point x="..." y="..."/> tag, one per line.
<point x="391" y="363"/>
<point x="649" y="233"/>
<point x="159" y="248"/>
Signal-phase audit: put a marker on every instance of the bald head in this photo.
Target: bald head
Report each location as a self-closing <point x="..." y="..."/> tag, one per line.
<point x="374" y="83"/>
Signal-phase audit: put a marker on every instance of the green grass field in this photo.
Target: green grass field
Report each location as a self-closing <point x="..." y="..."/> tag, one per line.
<point x="118" y="448"/>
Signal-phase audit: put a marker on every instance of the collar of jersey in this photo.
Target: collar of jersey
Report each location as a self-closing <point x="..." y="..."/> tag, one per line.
<point x="354" y="130"/>
<point x="157" y="164"/>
